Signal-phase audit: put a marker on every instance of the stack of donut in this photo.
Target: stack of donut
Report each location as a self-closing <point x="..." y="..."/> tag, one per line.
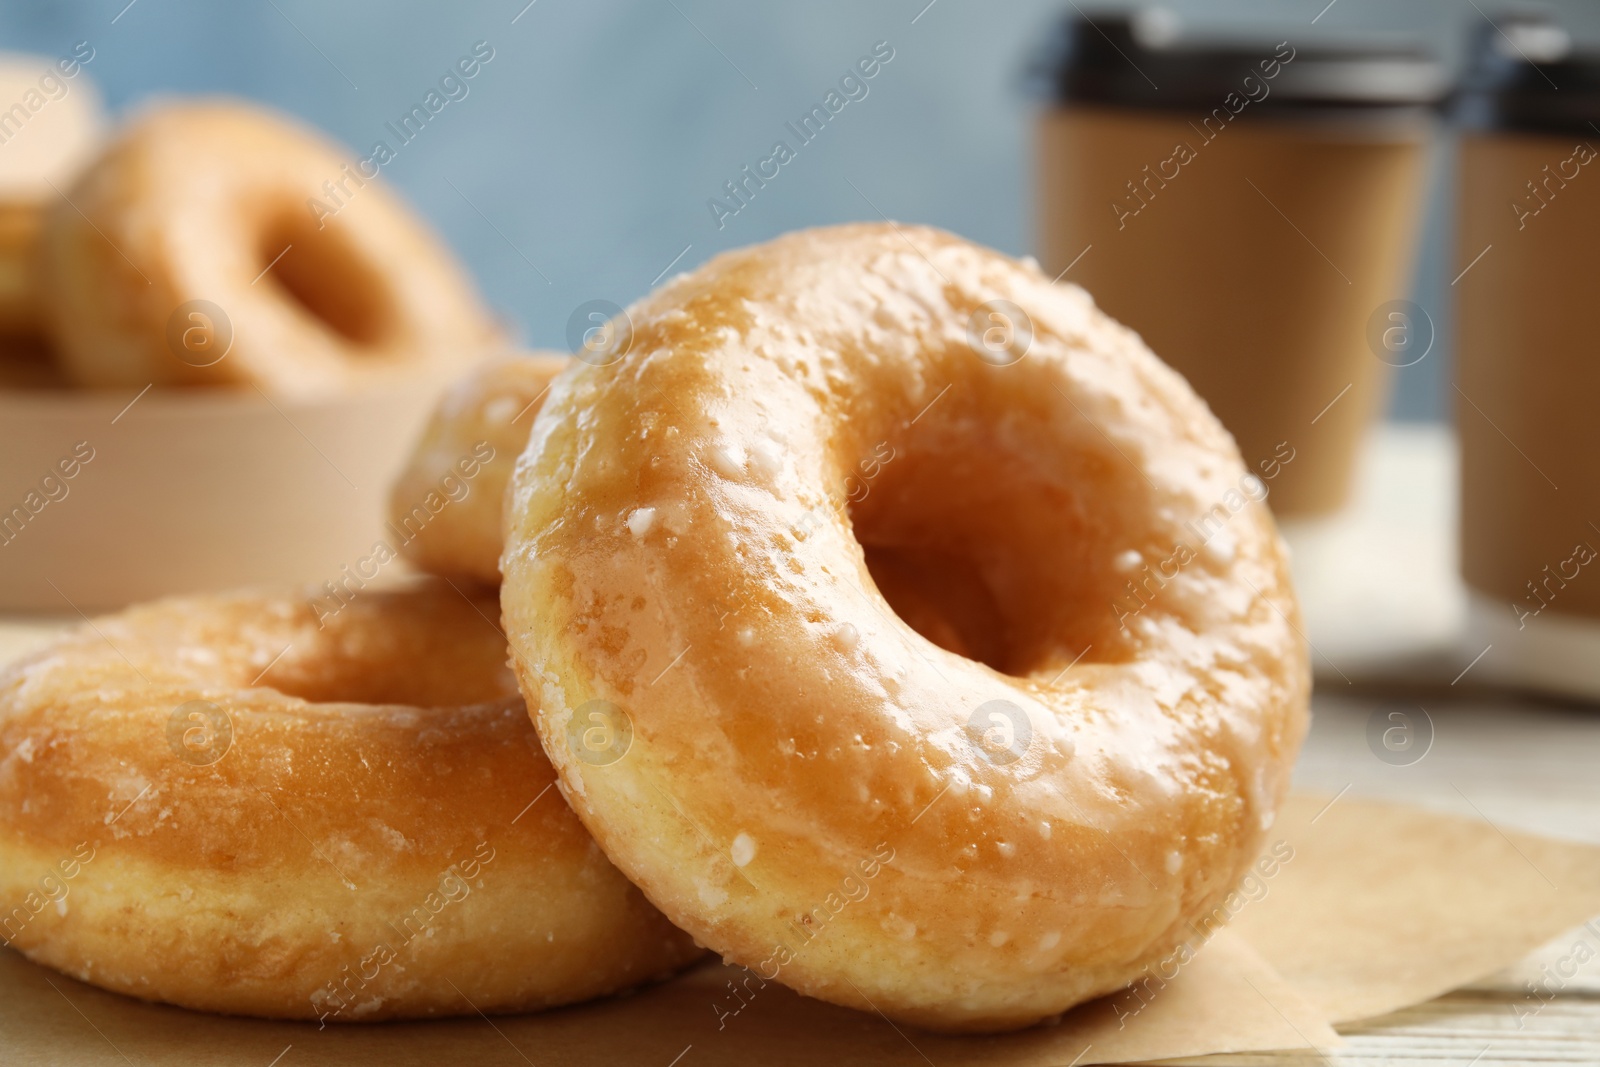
<point x="812" y="606"/>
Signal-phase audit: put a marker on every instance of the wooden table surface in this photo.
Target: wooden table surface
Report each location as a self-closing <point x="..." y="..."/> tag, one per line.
<point x="1513" y="760"/>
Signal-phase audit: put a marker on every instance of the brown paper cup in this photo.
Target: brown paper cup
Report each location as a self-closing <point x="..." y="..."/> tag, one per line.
<point x="1253" y="266"/>
<point x="1529" y="210"/>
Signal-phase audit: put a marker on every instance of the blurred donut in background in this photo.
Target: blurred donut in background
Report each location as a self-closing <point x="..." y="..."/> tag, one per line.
<point x="51" y="120"/>
<point x="189" y="253"/>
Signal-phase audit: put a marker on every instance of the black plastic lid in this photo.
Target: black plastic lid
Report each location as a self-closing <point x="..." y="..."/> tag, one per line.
<point x="1524" y="75"/>
<point x="1147" y="60"/>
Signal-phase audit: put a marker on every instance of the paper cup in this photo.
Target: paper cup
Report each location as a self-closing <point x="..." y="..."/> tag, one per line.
<point x="107" y="499"/>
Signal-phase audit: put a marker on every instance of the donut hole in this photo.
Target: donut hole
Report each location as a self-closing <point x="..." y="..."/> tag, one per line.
<point x="998" y="552"/>
<point x="322" y="273"/>
<point x="944" y="596"/>
<point x="383" y="649"/>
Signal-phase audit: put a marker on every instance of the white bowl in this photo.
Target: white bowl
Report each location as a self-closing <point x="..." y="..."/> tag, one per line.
<point x="104" y="502"/>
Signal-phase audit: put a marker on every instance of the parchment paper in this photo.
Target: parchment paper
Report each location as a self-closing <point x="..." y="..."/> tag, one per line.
<point x="1385" y="906"/>
<point x="1227" y="999"/>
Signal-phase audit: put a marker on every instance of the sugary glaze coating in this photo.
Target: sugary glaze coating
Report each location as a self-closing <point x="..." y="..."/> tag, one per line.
<point x="305" y="291"/>
<point x="794" y="774"/>
<point x="214" y="803"/>
<point x="447" y="503"/>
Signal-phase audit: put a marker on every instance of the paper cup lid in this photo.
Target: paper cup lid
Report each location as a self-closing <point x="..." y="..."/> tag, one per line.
<point x="1150" y="59"/>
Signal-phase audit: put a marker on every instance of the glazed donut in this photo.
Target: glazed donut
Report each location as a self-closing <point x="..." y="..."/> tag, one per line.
<point x="217" y="243"/>
<point x="810" y="786"/>
<point x="251" y="805"/>
<point x="447" y="503"/>
<point x="53" y="126"/>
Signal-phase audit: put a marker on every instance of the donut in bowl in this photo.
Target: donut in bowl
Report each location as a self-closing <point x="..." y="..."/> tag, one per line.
<point x="480" y="425"/>
<point x="192" y="251"/>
